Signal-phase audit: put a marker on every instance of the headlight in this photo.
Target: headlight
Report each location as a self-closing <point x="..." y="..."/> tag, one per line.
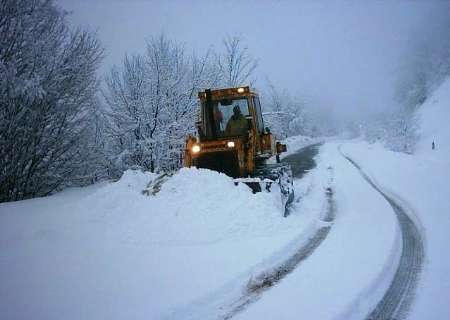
<point x="195" y="149"/>
<point x="230" y="144"/>
<point x="240" y="90"/>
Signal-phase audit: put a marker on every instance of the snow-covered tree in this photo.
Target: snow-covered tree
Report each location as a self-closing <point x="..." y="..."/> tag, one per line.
<point x="284" y="114"/>
<point x="153" y="104"/>
<point x="396" y="129"/>
<point x="47" y="98"/>
<point x="424" y="67"/>
<point x="427" y="63"/>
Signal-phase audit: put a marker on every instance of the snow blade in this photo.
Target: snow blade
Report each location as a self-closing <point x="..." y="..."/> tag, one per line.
<point x="270" y="174"/>
<point x="281" y="173"/>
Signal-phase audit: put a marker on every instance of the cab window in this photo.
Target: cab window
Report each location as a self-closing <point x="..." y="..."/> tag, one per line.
<point x="227" y="118"/>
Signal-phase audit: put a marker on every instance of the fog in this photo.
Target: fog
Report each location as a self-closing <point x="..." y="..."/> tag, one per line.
<point x="343" y="57"/>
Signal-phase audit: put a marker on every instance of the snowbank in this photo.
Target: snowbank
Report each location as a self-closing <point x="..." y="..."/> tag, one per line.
<point x="204" y="205"/>
<point x="193" y="206"/>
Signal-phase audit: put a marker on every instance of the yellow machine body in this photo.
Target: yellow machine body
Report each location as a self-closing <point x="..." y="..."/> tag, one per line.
<point x="217" y="148"/>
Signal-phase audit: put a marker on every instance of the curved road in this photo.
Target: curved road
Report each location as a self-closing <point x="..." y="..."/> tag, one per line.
<point x="397" y="300"/>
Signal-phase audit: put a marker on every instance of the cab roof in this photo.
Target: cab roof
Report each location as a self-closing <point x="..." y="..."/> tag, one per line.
<point x="228" y="93"/>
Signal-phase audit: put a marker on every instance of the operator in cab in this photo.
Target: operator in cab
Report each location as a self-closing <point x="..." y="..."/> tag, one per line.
<point x="237" y="125"/>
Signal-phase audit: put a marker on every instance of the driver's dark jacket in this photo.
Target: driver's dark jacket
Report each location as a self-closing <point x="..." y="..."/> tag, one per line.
<point x="237" y="125"/>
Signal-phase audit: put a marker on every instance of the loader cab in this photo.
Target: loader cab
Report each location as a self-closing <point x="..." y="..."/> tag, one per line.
<point x="229" y="113"/>
<point x="226" y="118"/>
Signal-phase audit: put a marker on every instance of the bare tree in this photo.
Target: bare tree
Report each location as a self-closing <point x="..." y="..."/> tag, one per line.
<point x="236" y="63"/>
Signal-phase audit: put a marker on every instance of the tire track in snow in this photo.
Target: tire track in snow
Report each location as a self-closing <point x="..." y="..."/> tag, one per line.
<point x="397" y="300"/>
<point x="266" y="280"/>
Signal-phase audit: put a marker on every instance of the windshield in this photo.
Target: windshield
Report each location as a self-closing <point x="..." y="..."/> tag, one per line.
<point x="229" y="118"/>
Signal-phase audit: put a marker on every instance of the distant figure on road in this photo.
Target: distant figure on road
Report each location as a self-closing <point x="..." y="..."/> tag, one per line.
<point x="433" y="146"/>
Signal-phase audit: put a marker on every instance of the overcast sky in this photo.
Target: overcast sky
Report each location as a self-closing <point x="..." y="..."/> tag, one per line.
<point x="341" y="55"/>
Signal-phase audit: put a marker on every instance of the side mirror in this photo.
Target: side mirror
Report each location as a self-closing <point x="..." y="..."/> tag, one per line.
<point x="267" y="130"/>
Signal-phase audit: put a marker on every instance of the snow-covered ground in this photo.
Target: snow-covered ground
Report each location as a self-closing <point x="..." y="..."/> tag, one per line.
<point x="423" y="181"/>
<point x="190" y="252"/>
<point x="108" y="251"/>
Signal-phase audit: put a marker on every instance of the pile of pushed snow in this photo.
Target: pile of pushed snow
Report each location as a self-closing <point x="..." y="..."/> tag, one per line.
<point x="433" y="116"/>
<point x="193" y="206"/>
<point x="204" y="205"/>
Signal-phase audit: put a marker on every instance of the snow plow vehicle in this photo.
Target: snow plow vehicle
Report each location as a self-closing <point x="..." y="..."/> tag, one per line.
<point x="231" y="138"/>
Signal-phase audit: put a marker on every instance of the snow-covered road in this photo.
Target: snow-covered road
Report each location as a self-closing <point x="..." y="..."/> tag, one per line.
<point x="397" y="300"/>
<point x="351" y="270"/>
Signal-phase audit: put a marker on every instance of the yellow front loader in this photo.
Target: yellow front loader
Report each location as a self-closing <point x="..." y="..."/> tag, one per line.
<point x="231" y="138"/>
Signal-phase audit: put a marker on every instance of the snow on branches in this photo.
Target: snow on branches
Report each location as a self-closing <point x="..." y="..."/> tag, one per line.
<point x="47" y="96"/>
<point x="152" y="100"/>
